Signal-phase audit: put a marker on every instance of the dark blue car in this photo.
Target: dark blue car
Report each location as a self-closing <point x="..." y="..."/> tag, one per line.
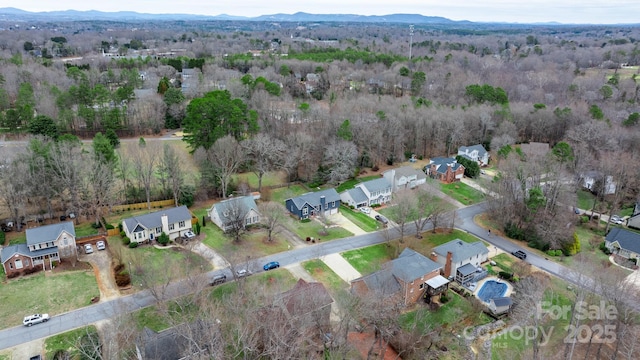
<point x="271" y="265"/>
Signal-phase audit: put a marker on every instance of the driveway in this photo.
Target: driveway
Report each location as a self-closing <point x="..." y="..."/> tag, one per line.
<point x="100" y="260"/>
<point x="217" y="261"/>
<point x="346" y="224"/>
<point x="341" y="267"/>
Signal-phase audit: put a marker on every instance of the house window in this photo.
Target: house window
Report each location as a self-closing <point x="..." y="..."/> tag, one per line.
<point x="171" y="227"/>
<point x="158" y="230"/>
<point x="421" y="286"/>
<point x="305" y="210"/>
<point x="26" y="262"/>
<point x="181" y="224"/>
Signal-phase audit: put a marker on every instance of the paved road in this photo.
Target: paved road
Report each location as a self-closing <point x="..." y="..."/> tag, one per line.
<point x="464" y="220"/>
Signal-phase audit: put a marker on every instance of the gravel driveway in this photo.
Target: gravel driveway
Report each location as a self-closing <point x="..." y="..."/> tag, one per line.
<point x="100" y="260"/>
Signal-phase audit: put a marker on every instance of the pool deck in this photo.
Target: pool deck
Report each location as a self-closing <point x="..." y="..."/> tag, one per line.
<point x="494" y="278"/>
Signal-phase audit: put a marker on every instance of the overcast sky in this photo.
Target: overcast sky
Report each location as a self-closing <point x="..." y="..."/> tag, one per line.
<point x="516" y="11"/>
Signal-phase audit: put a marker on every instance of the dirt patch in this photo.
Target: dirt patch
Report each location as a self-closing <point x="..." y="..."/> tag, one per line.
<point x="363" y="343"/>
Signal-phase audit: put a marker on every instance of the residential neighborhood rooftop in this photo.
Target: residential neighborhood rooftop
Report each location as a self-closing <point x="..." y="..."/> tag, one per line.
<point x="48" y="233"/>
<point x="461" y="250"/>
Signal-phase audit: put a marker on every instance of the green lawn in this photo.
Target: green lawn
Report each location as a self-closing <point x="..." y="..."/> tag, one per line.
<point x="85" y="229"/>
<point x="282" y="194"/>
<point x="370" y="258"/>
<point x="363" y="221"/>
<point x="150" y="318"/>
<point x="54" y="294"/>
<point x="322" y="273"/>
<point x="71" y="341"/>
<point x="152" y="265"/>
<point x="453" y="316"/>
<point x="268" y="179"/>
<point x="585" y="199"/>
<point x="463" y="193"/>
<point x="316" y="230"/>
<point x="351" y="183"/>
<point x="440" y="238"/>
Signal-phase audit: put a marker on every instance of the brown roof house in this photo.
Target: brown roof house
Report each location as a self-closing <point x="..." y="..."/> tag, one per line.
<point x="297" y="320"/>
<point x="446" y="170"/>
<point x="408" y="278"/>
<point x="45" y="246"/>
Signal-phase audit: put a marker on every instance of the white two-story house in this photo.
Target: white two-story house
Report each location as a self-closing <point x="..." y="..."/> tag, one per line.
<point x="174" y="222"/>
<point x="405" y="177"/>
<point x="377" y="191"/>
<point x="475" y="153"/>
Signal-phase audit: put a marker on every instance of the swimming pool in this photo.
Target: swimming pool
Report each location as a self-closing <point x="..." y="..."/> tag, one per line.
<point x="491" y="289"/>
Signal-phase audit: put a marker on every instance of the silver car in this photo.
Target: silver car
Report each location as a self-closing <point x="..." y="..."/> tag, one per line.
<point x="88" y="249"/>
<point x="35" y="319"/>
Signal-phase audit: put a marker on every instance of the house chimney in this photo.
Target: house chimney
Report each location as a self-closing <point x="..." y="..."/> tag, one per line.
<point x="322" y="202"/>
<point x="164" y="219"/>
<point x="447" y="265"/>
<point x="434" y="257"/>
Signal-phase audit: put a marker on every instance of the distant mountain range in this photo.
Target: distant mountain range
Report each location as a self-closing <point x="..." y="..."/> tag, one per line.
<point x="13" y="14"/>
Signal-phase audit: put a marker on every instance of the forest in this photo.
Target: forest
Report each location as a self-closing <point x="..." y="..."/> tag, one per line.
<point x="321" y="102"/>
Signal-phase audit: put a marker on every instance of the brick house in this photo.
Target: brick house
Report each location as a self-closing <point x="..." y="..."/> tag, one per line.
<point x="446" y="170"/>
<point x="407" y="279"/>
<point x="45" y="246"/>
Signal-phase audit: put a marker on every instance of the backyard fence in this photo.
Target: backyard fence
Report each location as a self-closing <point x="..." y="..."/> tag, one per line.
<point x="143" y="205"/>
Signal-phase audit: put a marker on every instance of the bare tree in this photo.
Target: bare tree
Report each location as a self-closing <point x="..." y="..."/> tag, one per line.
<point x="340" y="157"/>
<point x="145" y="156"/>
<point x="223" y="159"/>
<point x="67" y="164"/>
<point x="529" y="293"/>
<point x="14" y="190"/>
<point x="171" y="169"/>
<point x="272" y="215"/>
<point x="264" y="154"/>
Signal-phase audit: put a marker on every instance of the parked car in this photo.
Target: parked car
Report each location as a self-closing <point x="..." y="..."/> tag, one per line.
<point x="100" y="245"/>
<point x="189" y="235"/>
<point x="242" y="273"/>
<point x="382" y="219"/>
<point x="218" y="279"/>
<point x="271" y="265"/>
<point x="616" y="219"/>
<point x="365" y="210"/>
<point x="519" y="254"/>
<point x="88" y="249"/>
<point x="35" y="319"/>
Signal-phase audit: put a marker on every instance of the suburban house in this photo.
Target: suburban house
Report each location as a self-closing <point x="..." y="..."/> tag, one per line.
<point x="446" y="170"/>
<point x="174" y="222"/>
<point x="475" y="153"/>
<point x="185" y="341"/>
<point x="623" y="242"/>
<point x="501" y="305"/>
<point x="405" y="177"/>
<point x="410" y="277"/>
<point x="460" y="259"/>
<point x="45" y="245"/>
<point x="308" y="304"/>
<point x="242" y="210"/>
<point x="634" y="220"/>
<point x="325" y="202"/>
<point x="591" y="180"/>
<point x="377" y="191"/>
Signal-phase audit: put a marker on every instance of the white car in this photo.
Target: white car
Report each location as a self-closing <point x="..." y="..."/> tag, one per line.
<point x="189" y="235"/>
<point x="242" y="273"/>
<point x="88" y="249"/>
<point x="100" y="245"/>
<point x="616" y="219"/>
<point x="365" y="210"/>
<point x="35" y="319"/>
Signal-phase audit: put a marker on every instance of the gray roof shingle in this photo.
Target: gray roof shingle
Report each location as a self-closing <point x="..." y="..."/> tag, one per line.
<point x="7" y="252"/>
<point x="502" y="301"/>
<point x="466" y="269"/>
<point x="479" y="147"/>
<point x="153" y="220"/>
<point x="628" y="240"/>
<point x="461" y="250"/>
<point x="48" y="233"/>
<point x="242" y="203"/>
<point x="376" y="185"/>
<point x="357" y="195"/>
<point x="313" y="198"/>
<point x="411" y="265"/>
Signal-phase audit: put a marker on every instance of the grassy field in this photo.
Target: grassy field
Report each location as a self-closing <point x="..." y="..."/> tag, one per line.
<point x="369" y="259"/>
<point x="585" y="199"/>
<point x="70" y="341"/>
<point x="316" y="230"/>
<point x="54" y="294"/>
<point x="351" y="183"/>
<point x="463" y="193"/>
<point x="322" y="273"/>
<point x="282" y="194"/>
<point x="363" y="221"/>
<point x="268" y="179"/>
